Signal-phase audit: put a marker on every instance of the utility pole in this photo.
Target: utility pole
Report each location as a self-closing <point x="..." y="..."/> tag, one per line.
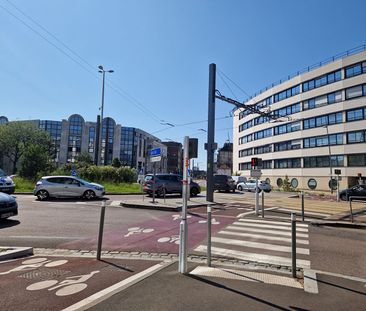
<point x="211" y="146"/>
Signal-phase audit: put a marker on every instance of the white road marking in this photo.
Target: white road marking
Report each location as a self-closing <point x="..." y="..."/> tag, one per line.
<point x="44" y="237"/>
<point x="115" y="203"/>
<point x="114" y="289"/>
<point x="276" y="260"/>
<point x="348" y="277"/>
<point x="268" y="226"/>
<point x="272" y="247"/>
<point x="263" y="237"/>
<point x="252" y="212"/>
<point x="310" y="282"/>
<point x="242" y="227"/>
<point x="246" y="276"/>
<point x="272" y="222"/>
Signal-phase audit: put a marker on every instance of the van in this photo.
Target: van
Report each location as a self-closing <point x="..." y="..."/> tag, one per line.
<point x="224" y="183"/>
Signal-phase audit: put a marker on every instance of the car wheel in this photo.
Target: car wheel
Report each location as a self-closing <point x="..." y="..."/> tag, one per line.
<point x="42" y="195"/>
<point x="89" y="194"/>
<point x="194" y="192"/>
<point x="267" y="191"/>
<point x="240" y="188"/>
<point x="233" y="190"/>
<point x="343" y="197"/>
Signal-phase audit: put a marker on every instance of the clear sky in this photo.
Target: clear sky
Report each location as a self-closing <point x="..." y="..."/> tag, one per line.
<point x="160" y="51"/>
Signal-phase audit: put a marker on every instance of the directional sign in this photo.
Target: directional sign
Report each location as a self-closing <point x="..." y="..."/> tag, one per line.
<point x="155" y="159"/>
<point x="255" y="173"/>
<point x="155" y="152"/>
<point x="73" y="172"/>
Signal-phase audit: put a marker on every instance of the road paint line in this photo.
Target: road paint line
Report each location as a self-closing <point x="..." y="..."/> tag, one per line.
<point x="242" y="227"/>
<point x="310" y="282"/>
<point x="252" y="212"/>
<point x="44" y="237"/>
<point x="272" y="222"/>
<point x="268" y="226"/>
<point x="276" y="260"/>
<point x="263" y="237"/>
<point x="348" y="277"/>
<point x="306" y="213"/>
<point x="115" y="203"/>
<point x="250" y="276"/>
<point x="271" y="247"/>
<point x="114" y="289"/>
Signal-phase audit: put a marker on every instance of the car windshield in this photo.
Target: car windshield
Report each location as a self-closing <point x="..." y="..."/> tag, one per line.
<point x="149" y="177"/>
<point x="2" y="173"/>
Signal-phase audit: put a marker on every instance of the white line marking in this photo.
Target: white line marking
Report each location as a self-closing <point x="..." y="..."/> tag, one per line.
<point x="268" y="226"/>
<point x="310" y="283"/>
<point x="44" y="237"/>
<point x="242" y="227"/>
<point x="272" y="247"/>
<point x="115" y="203"/>
<point x="248" y="213"/>
<point x="348" y="277"/>
<point x="263" y="237"/>
<point x="276" y="260"/>
<point x="112" y="290"/>
<point x="282" y="223"/>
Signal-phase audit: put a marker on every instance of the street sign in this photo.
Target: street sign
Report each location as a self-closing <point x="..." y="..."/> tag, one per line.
<point x="73" y="172"/>
<point x="255" y="173"/>
<point x="155" y="152"/>
<point x="155" y="159"/>
<point x="337" y="172"/>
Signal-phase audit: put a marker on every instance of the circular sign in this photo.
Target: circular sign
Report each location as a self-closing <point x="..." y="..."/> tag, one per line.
<point x="312" y="183"/>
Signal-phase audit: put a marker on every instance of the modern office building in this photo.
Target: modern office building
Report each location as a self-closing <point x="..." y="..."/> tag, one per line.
<point x="73" y="136"/>
<point x="320" y="126"/>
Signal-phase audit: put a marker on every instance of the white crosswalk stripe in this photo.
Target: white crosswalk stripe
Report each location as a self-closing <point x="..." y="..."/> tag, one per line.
<point x="261" y="240"/>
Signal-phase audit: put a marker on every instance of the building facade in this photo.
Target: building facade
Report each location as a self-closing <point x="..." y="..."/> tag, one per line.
<point x="175" y="157"/>
<point x="225" y="160"/>
<point x="320" y="126"/>
<point x="74" y="136"/>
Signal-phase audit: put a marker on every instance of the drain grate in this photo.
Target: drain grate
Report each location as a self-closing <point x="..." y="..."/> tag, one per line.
<point x="43" y="274"/>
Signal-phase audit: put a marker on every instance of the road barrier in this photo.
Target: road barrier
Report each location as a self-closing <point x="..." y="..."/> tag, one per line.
<point x="101" y="227"/>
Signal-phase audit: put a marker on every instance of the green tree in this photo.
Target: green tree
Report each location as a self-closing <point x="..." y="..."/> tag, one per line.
<point x="84" y="159"/>
<point x="116" y="162"/>
<point x="17" y="137"/>
<point x="34" y="160"/>
<point x="286" y="186"/>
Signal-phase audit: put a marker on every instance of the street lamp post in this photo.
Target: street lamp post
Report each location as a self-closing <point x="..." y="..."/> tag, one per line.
<point x="330" y="160"/>
<point x="103" y="71"/>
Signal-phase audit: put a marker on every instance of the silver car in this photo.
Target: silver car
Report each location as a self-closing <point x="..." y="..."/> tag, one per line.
<point x="250" y="185"/>
<point x="67" y="186"/>
<point x="6" y="183"/>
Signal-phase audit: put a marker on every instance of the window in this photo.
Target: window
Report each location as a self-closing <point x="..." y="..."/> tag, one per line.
<point x="323" y="161"/>
<point x="325" y="140"/>
<point x="245" y="166"/>
<point x="356" y="137"/>
<point x="287" y="93"/>
<point x="288" y="163"/>
<point x="286" y="111"/>
<point x="323" y="100"/>
<point x="267" y="164"/>
<point x="263" y="134"/>
<point x="355" y="70"/>
<point x="287" y="145"/>
<point x="287" y="128"/>
<point x="279" y="182"/>
<point x="263" y="149"/>
<point x="322" y="80"/>
<point x="356" y="114"/>
<point x="245" y="152"/>
<point x="294" y="183"/>
<point x="357" y="160"/>
<point x="312" y="183"/>
<point x="354" y="92"/>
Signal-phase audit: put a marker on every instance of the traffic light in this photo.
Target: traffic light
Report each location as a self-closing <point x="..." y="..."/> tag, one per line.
<point x="256" y="163"/>
<point x="193" y="148"/>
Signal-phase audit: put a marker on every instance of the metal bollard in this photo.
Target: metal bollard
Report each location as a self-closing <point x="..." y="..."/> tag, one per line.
<point x="262" y="203"/>
<point x="164" y="192"/>
<point x="209" y="220"/>
<point x="302" y="206"/>
<point x="101" y="226"/>
<point x="350" y="208"/>
<point x="293" y="244"/>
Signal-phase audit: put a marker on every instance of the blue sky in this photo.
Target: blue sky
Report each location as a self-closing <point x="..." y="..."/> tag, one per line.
<point x="160" y="51"/>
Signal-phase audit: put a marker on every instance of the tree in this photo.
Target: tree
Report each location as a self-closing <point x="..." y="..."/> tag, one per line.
<point x="286" y="186"/>
<point x="116" y="162"/>
<point x="34" y="160"/>
<point x="17" y="137"/>
<point x="84" y="159"/>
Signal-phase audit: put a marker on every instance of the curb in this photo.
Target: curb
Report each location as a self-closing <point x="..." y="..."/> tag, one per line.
<point x="160" y="207"/>
<point x="355" y="225"/>
<point x="16" y="252"/>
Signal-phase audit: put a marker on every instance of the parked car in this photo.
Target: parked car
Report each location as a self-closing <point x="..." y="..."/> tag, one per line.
<point x="250" y="185"/>
<point x="356" y="191"/>
<point x="239" y="179"/>
<point x="67" y="186"/>
<point x="224" y="183"/>
<point x="170" y="183"/>
<point x="6" y="183"/>
<point x="8" y="206"/>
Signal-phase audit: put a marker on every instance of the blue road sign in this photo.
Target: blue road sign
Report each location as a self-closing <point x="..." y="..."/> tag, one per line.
<point x="154" y="152"/>
<point x="73" y="172"/>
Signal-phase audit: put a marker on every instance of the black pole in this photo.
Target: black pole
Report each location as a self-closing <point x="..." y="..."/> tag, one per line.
<point x="96" y="141"/>
<point x="210" y="146"/>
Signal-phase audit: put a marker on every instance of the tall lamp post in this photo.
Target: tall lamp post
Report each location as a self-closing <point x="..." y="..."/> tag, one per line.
<point x="330" y="160"/>
<point x="103" y="71"/>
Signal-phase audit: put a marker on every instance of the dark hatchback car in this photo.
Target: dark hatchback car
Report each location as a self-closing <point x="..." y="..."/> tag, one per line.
<point x="358" y="191"/>
<point x="170" y="183"/>
<point x="224" y="183"/>
<point x="8" y="206"/>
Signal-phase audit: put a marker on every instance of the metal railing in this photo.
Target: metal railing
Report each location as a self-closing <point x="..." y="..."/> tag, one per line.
<point x="329" y="60"/>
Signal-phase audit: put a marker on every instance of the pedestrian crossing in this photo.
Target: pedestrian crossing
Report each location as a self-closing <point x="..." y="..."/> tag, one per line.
<point x="261" y="240"/>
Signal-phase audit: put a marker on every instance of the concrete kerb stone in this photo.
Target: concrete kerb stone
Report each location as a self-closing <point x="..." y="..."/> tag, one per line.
<point x="14" y="252"/>
<point x="344" y="224"/>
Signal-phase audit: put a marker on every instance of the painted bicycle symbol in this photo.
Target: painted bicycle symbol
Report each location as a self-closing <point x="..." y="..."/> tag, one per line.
<point x="177" y="216"/>
<point x="35" y="263"/>
<point x="137" y="230"/>
<point x="71" y="285"/>
<point x="172" y="239"/>
<point x="213" y="222"/>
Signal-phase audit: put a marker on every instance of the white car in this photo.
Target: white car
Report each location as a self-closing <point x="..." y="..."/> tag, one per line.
<point x="6" y="183"/>
<point x="249" y="185"/>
